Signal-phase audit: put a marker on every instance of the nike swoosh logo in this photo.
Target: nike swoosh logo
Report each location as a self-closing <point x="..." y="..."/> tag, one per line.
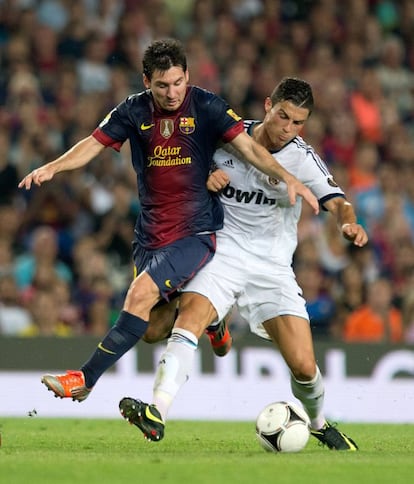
<point x="152" y="417"/>
<point x="144" y="126"/>
<point x="104" y="349"/>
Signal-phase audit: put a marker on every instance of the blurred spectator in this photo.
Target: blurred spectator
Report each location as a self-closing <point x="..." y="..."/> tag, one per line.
<point x="106" y="17"/>
<point x="43" y="252"/>
<point x="46" y="279"/>
<point x="132" y="35"/>
<point x="114" y="232"/>
<point x="319" y="303"/>
<point x="53" y="13"/>
<point x="95" y="293"/>
<point x="366" y="101"/>
<point x="45" y="55"/>
<point x="367" y="261"/>
<point x="339" y="144"/>
<point x="55" y="207"/>
<point x="94" y="73"/>
<point x="363" y="173"/>
<point x="364" y="183"/>
<point x="406" y="178"/>
<point x="9" y="176"/>
<point x="407" y="308"/>
<point x="397" y="81"/>
<point x="204" y="69"/>
<point x="100" y="311"/>
<point x="405" y="21"/>
<point x="6" y="257"/>
<point x="237" y="86"/>
<point x="378" y="320"/>
<point x="72" y="38"/>
<point x="332" y="247"/>
<point x="203" y="20"/>
<point x="352" y="60"/>
<point x="226" y="36"/>
<point x="349" y="296"/>
<point x="44" y="309"/>
<point x="120" y="85"/>
<point x="10" y="223"/>
<point x="372" y="38"/>
<point x="69" y="312"/>
<point x="14" y="317"/>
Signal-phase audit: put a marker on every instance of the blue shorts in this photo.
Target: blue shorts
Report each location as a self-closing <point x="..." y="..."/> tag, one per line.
<point x="170" y="267"/>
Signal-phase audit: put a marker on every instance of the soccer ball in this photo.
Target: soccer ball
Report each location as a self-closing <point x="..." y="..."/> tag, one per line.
<point x="283" y="427"/>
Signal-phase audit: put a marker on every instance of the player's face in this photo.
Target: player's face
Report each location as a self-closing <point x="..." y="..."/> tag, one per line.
<point x="283" y="122"/>
<point x="168" y="87"/>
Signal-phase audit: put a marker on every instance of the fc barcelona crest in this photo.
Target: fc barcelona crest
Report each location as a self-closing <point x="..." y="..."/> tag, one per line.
<point x="187" y="125"/>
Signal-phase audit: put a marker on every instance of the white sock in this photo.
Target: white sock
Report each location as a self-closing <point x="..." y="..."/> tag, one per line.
<point x="311" y="394"/>
<point x="174" y="368"/>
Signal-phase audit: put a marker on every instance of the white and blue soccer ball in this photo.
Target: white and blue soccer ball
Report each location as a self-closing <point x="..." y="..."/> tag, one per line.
<point x="283" y="427"/>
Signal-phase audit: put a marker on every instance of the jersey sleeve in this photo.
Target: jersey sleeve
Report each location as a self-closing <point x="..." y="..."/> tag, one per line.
<point x="115" y="127"/>
<point x="316" y="176"/>
<point x="228" y="123"/>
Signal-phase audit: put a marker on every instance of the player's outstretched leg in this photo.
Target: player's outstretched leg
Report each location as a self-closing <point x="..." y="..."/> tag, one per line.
<point x="220" y="338"/>
<point x="70" y="385"/>
<point x="146" y="417"/>
<point x="333" y="438"/>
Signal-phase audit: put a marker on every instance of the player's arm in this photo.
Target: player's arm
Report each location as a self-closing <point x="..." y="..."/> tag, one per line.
<point x="77" y="156"/>
<point x="347" y="221"/>
<point x="261" y="158"/>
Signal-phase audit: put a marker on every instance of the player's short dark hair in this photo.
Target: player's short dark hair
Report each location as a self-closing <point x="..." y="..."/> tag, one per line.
<point x="297" y="91"/>
<point x="163" y="54"/>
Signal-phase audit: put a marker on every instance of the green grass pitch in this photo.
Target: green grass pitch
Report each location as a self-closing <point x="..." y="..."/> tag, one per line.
<point x="76" y="451"/>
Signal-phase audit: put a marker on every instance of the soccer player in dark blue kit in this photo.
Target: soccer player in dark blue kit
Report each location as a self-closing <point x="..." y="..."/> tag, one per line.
<point x="173" y="129"/>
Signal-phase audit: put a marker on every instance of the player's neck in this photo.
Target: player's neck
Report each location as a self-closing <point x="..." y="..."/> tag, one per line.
<point x="259" y="134"/>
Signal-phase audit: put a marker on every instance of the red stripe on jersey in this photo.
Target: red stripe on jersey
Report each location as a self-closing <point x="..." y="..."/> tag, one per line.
<point x="106" y="140"/>
<point x="233" y="132"/>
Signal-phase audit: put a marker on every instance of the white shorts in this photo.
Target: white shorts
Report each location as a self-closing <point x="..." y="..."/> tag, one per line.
<point x="246" y="276"/>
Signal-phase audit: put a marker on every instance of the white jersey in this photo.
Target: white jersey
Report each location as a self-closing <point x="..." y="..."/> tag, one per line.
<point x="258" y="206"/>
<point x="252" y="266"/>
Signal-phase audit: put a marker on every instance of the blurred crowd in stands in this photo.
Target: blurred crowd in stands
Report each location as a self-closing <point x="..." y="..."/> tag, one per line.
<point x="65" y="248"/>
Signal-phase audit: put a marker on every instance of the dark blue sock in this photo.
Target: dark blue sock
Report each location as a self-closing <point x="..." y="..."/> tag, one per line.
<point x="122" y="337"/>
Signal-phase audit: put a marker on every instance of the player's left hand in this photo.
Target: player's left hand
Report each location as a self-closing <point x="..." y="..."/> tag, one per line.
<point x="355" y="233"/>
<point x="217" y="180"/>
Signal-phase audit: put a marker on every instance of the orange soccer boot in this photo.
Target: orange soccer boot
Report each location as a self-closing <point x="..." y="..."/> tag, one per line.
<point x="71" y="385"/>
<point x="220" y="338"/>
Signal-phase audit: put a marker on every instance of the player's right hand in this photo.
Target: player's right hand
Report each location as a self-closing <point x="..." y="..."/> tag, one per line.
<point x="296" y="188"/>
<point x="38" y="176"/>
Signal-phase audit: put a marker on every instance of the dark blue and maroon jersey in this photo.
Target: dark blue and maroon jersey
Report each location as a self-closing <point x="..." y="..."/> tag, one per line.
<point x="172" y="153"/>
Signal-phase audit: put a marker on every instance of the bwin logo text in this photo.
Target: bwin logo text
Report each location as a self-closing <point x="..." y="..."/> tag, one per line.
<point x="258" y="198"/>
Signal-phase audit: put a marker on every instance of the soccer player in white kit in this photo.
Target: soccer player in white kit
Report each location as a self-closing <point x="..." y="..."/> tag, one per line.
<point x="252" y="266"/>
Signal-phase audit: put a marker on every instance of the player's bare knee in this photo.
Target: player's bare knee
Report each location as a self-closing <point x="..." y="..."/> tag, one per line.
<point x="141" y="298"/>
<point x="195" y="311"/>
<point x="154" y="335"/>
